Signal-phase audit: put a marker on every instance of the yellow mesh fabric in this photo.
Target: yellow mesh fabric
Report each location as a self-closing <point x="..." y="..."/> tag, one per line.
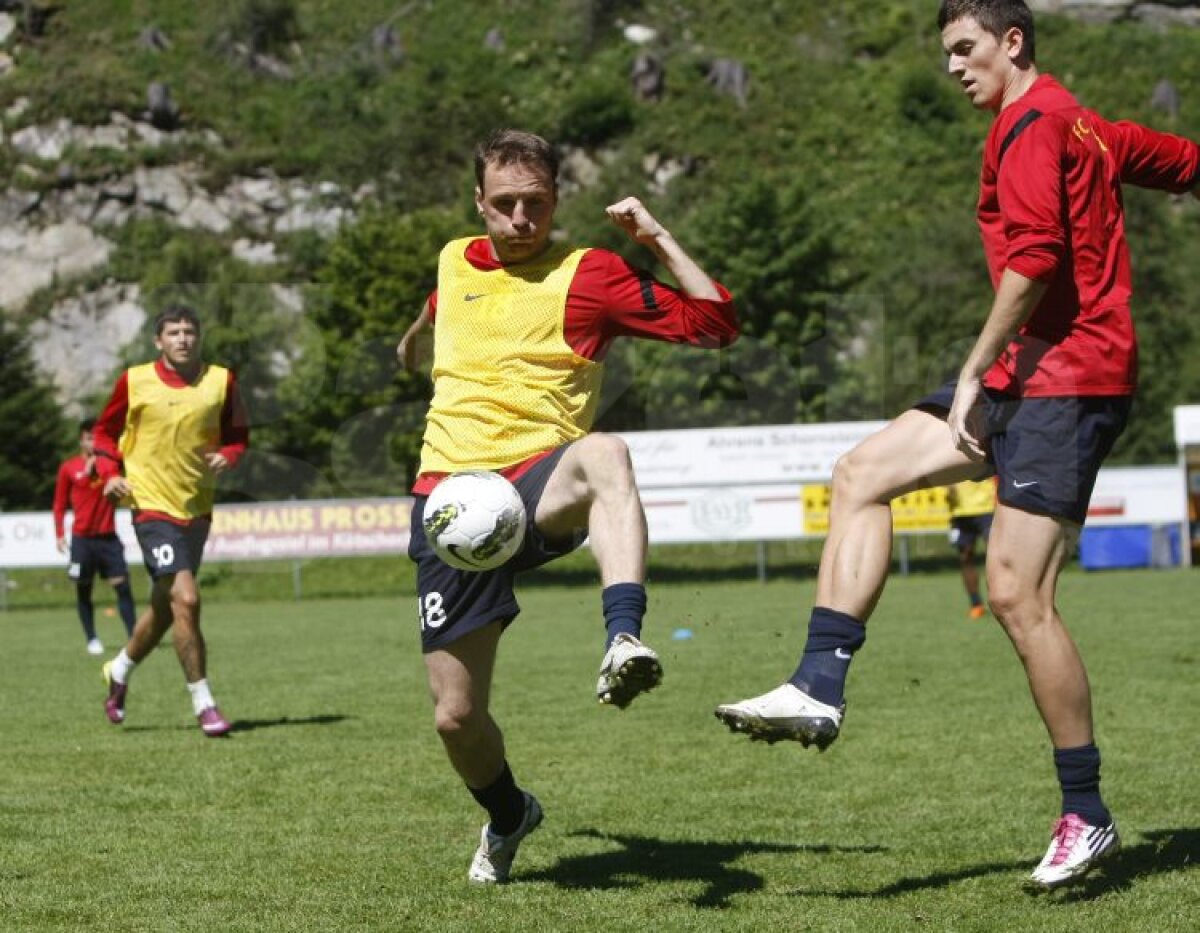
<point x="506" y="384"/>
<point x="972" y="498"/>
<point x="167" y="432"/>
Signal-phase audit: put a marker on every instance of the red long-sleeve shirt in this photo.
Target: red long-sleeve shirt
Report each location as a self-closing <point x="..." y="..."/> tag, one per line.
<point x="81" y="489"/>
<point x="235" y="429"/>
<point x="609" y="298"/>
<point x="1050" y="209"/>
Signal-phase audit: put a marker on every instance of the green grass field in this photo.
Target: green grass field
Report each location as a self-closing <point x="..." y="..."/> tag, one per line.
<point x="332" y="808"/>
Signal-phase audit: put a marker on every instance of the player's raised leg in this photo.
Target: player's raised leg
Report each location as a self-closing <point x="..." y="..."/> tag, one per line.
<point x="593" y="491"/>
<point x="914" y="451"/>
<point x="460" y="679"/>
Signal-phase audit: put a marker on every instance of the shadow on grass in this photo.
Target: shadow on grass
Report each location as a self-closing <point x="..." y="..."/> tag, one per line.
<point x="325" y="719"/>
<point x="642" y="860"/>
<point x="1162" y="851"/>
<point x="249" y="725"/>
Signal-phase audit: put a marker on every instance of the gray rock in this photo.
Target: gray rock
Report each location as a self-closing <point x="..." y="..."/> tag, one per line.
<point x="153" y="39"/>
<point x="161" y="109"/>
<point x="648" y="76"/>
<point x="729" y="76"/>
<point x="79" y="343"/>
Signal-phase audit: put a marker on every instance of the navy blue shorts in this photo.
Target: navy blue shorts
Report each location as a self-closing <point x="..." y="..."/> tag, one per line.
<point x="1046" y="451"/>
<point x="168" y="548"/>
<point x="452" y="603"/>
<point x="97" y="554"/>
<point x="967" y="529"/>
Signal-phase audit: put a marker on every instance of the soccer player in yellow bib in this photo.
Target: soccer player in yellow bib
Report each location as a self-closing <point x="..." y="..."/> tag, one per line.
<point x="521" y="327"/>
<point x="175" y="425"/>
<point x="971" y="507"/>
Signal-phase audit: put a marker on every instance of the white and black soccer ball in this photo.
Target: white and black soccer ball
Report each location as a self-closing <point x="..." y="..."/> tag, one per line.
<point x="474" y="521"/>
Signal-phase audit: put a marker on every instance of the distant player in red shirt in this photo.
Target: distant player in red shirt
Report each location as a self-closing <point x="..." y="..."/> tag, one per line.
<point x="94" y="545"/>
<point x="1041" y="398"/>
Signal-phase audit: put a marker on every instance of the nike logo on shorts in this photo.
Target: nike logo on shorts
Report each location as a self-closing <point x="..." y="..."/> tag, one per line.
<point x="1016" y="485"/>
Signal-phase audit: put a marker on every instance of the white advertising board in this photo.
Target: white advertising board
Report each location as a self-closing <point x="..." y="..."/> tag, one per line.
<point x="795" y="453"/>
<point x="723" y="513"/>
<point x="1187" y="425"/>
<point x="702" y="485"/>
<point x="1138" y="496"/>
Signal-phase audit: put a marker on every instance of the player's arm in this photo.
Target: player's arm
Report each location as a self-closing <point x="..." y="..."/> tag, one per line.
<point x="1150" y="159"/>
<point x="1016" y="298"/>
<point x="235" y="429"/>
<point x="632" y="216"/>
<point x="106" y="433"/>
<point x="1030" y="190"/>
<point x="412" y="349"/>
<point x="62" y="491"/>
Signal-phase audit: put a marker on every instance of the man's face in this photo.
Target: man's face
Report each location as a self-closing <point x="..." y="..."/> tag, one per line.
<point x="517" y="203"/>
<point x="983" y="64"/>
<point x="86" y="443"/>
<point x="179" y="343"/>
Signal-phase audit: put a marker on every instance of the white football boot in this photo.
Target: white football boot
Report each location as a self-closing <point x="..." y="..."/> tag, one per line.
<point x="1075" y="849"/>
<point x="785" y="713"/>
<point x="628" y="668"/>
<point x="494" y="857"/>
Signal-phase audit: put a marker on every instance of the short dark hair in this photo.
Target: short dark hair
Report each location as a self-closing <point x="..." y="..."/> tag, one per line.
<point x="87" y="424"/>
<point x="509" y="147"/>
<point x="173" y="314"/>
<point x="995" y="16"/>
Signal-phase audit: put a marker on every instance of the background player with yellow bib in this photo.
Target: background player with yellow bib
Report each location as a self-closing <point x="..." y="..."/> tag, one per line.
<point x="971" y="506"/>
<point x="175" y="425"/>
<point x="521" y="329"/>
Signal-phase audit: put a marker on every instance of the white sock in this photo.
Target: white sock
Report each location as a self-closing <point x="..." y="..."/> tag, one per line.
<point x="122" y="667"/>
<point x="202" y="697"/>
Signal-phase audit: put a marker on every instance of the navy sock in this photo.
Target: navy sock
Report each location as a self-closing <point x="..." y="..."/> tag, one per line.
<point x="1079" y="775"/>
<point x="87" y="616"/>
<point x="833" y="637"/>
<point x="503" y="801"/>
<point x="624" y="606"/>
<point x="125" y="606"/>
<point x="976" y="599"/>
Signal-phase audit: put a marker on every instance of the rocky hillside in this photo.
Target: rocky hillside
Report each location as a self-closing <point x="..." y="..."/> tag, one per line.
<point x="232" y="146"/>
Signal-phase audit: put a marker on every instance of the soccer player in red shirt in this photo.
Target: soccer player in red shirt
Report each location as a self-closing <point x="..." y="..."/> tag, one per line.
<point x="1040" y="399"/>
<point x="94" y="546"/>
<point x="521" y="328"/>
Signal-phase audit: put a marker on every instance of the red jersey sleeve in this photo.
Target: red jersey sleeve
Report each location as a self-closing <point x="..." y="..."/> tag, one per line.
<point x="107" y="430"/>
<point x="235" y="423"/>
<point x="609" y="298"/>
<point x="62" y="495"/>
<point x="1030" y="193"/>
<point x="1150" y="159"/>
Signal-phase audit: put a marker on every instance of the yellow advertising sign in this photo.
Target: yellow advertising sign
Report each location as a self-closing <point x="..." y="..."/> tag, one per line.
<point x="923" y="510"/>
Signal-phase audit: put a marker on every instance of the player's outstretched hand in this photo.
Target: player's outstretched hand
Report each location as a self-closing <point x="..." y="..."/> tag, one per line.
<point x="631" y="216"/>
<point x="965" y="420"/>
<point x="117" y="488"/>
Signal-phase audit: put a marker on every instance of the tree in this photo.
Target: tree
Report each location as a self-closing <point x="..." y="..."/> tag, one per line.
<point x="362" y="429"/>
<point x="33" y="428"/>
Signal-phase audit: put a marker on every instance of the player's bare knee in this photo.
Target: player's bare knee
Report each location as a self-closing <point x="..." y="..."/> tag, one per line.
<point x="853" y="479"/>
<point x="456" y="721"/>
<point x="607" y="462"/>
<point x="185" y="601"/>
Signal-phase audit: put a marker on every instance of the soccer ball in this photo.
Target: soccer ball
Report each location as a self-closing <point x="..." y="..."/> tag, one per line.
<point x="474" y="521"/>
